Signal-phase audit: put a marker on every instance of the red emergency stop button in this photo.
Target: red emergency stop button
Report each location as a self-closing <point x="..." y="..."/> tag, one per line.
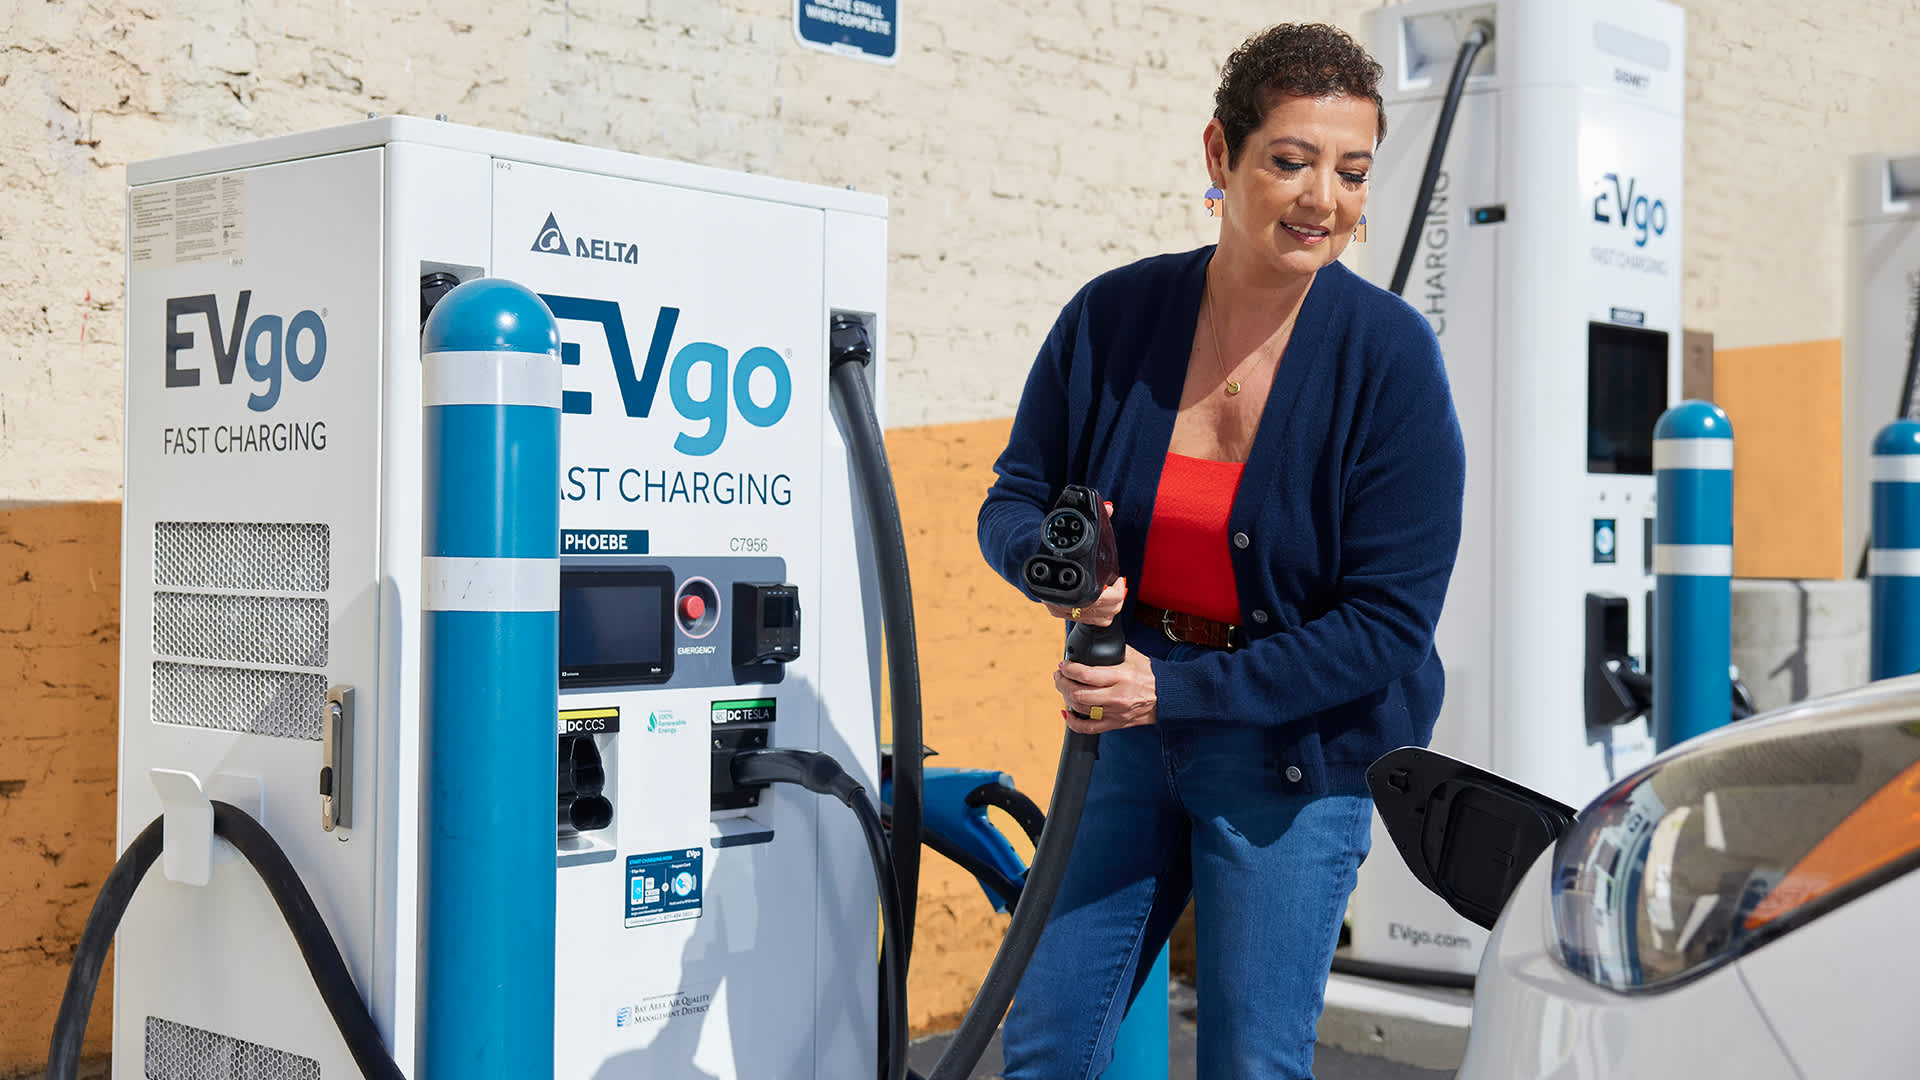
<point x="692" y="607"/>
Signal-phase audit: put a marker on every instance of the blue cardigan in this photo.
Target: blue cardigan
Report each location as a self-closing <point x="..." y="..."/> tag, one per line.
<point x="1349" y="506"/>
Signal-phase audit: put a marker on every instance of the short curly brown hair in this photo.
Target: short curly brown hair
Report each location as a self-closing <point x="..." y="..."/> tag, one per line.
<point x="1296" y="59"/>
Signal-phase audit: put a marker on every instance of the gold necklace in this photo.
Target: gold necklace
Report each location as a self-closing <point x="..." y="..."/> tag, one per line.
<point x="1213" y="330"/>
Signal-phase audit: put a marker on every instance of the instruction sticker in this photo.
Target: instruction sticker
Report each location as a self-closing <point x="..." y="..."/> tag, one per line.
<point x="664" y="886"/>
<point x="189" y="221"/>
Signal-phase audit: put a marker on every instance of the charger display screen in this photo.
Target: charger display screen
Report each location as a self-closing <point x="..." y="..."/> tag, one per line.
<point x="1626" y="393"/>
<point x="615" y="627"/>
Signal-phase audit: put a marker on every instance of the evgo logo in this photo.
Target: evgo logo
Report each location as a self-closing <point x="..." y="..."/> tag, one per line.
<point x="1624" y="205"/>
<point x="270" y="343"/>
<point x="729" y="382"/>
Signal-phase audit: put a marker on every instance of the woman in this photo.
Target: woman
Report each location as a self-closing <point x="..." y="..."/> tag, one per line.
<point x="1279" y="450"/>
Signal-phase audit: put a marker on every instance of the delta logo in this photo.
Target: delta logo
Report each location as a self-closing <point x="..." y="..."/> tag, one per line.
<point x="552" y="241"/>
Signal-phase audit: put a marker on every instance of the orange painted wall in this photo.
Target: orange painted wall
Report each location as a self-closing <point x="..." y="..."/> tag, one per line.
<point x="59" y="665"/>
<point x="986" y="657"/>
<point x="1784" y="402"/>
<point x="986" y="661"/>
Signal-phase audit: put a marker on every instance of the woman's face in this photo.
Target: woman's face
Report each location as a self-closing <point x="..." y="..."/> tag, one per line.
<point x="1300" y="185"/>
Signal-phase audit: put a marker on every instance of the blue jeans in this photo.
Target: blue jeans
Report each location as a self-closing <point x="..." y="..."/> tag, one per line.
<point x="1204" y="813"/>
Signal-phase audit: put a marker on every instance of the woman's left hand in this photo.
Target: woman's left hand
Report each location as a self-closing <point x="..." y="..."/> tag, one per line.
<point x="1118" y="696"/>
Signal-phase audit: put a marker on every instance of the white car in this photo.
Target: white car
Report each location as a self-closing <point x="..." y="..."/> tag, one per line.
<point x="1747" y="905"/>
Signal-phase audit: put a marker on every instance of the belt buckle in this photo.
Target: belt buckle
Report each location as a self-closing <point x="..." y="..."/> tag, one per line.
<point x="1166" y="626"/>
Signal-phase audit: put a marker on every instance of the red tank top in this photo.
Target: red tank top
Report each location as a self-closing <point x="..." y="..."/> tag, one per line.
<point x="1189" y="563"/>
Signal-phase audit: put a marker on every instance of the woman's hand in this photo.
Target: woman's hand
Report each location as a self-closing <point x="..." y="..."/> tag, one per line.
<point x="1106" y="606"/>
<point x="1101" y="612"/>
<point x="1118" y="696"/>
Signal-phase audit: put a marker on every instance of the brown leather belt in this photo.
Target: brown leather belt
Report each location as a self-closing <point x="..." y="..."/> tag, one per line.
<point x="1192" y="629"/>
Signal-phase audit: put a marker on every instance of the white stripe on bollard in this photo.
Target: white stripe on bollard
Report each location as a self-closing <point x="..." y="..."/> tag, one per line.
<point x="490" y="378"/>
<point x="1693" y="560"/>
<point x="449" y="583"/>
<point x="1692" y="454"/>
<point x="1893" y="562"/>
<point x="1897" y="468"/>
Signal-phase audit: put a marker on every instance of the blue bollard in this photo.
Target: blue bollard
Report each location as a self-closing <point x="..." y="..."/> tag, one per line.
<point x="1693" y="564"/>
<point x="490" y="599"/>
<point x="1894" y="560"/>
<point x="1140" y="1050"/>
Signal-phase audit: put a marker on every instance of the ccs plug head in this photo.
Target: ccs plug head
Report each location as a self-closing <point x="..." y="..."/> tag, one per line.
<point x="1077" y="559"/>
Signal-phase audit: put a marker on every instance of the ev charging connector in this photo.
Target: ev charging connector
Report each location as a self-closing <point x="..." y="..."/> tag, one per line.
<point x="1076" y="562"/>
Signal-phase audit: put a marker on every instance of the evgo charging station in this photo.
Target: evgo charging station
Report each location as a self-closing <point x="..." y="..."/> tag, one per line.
<point x="282" y="582"/>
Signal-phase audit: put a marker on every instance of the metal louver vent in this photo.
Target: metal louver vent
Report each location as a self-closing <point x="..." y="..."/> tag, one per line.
<point x="256" y="701"/>
<point x="182" y="1052"/>
<point x="241" y="555"/>
<point x="241" y="629"/>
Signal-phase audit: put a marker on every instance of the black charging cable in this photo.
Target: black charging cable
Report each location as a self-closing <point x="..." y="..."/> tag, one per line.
<point x="317" y="946"/>
<point x="850" y="349"/>
<point x="1037" y="894"/>
<point x="1477" y="39"/>
<point x="820" y="774"/>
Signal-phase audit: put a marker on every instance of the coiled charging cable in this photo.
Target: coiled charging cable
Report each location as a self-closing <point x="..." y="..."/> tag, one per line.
<point x="317" y="946"/>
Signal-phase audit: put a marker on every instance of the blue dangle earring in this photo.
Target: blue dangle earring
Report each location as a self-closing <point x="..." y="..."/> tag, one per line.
<point x="1213" y="199"/>
<point x="1360" y="230"/>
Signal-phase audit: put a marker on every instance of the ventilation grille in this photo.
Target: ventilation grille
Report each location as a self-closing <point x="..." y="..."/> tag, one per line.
<point x="246" y="629"/>
<point x="259" y="702"/>
<point x="221" y="635"/>
<point x="241" y="555"/>
<point x="179" y="1052"/>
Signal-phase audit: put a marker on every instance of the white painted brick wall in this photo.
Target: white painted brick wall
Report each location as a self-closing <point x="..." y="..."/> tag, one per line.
<point x="1023" y="147"/>
<point x="1779" y="96"/>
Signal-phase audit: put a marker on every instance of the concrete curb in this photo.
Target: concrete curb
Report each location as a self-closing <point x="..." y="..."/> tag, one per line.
<point x="1425" y="1027"/>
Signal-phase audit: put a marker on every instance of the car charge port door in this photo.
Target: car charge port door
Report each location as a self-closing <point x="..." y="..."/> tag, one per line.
<point x="1467" y="834"/>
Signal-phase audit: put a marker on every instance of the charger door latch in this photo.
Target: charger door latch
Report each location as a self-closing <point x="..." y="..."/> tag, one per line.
<point x="336" y="759"/>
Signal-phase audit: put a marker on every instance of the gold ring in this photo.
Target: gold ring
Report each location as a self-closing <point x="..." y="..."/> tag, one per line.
<point x="1094" y="712"/>
<point x="1076" y="614"/>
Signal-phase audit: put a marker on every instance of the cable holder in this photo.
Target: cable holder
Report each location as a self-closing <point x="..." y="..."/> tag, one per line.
<point x="186" y="805"/>
<point x="187" y="854"/>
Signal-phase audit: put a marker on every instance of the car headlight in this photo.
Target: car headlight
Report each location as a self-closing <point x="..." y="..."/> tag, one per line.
<point x="1707" y="854"/>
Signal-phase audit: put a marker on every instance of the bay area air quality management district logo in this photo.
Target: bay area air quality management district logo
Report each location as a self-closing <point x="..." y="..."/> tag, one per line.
<point x="552" y="241"/>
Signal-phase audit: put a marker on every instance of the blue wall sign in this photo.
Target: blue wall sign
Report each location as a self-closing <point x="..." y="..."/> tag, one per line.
<point x="868" y="29"/>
